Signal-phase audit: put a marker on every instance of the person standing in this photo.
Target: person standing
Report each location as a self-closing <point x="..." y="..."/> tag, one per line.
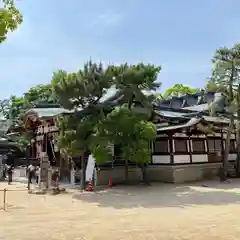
<point x="30" y="172"/>
<point x="10" y="173"/>
<point x="38" y="174"/>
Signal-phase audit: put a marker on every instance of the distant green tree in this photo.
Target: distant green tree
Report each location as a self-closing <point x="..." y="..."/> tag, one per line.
<point x="42" y="93"/>
<point x="14" y="108"/>
<point x="178" y="90"/>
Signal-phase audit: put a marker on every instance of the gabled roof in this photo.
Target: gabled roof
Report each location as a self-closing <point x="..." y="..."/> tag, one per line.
<point x="198" y="108"/>
<point x="190" y="123"/>
<point x="46" y="112"/>
<point x="169" y="114"/>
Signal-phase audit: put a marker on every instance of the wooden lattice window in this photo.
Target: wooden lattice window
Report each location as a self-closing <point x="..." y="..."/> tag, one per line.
<point x="181" y="146"/>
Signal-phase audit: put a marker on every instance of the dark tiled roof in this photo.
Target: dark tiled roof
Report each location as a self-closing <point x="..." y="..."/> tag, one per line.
<point x="187" y="100"/>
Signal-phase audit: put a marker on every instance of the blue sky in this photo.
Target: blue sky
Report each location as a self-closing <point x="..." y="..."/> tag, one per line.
<point x="181" y="36"/>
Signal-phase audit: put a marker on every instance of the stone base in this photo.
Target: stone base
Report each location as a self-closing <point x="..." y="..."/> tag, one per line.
<point x="53" y="191"/>
<point x="170" y="174"/>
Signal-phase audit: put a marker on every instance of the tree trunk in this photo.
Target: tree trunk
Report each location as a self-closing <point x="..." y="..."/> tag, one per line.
<point x="144" y="174"/>
<point x="230" y="128"/>
<point x="238" y="148"/>
<point x="126" y="160"/>
<point x="83" y="173"/>
<point x="238" y="134"/>
<point x="126" y="170"/>
<point x="227" y="147"/>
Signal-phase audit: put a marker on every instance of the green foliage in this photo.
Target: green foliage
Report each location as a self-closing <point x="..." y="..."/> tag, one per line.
<point x="10" y="18"/>
<point x="85" y="87"/>
<point x="226" y="72"/>
<point x="101" y="153"/>
<point x="142" y="76"/>
<point x="42" y="93"/>
<point x="14" y="108"/>
<point x="76" y="91"/>
<point x="212" y="86"/>
<point x="132" y="132"/>
<point x="73" y="137"/>
<point x="133" y="80"/>
<point x="179" y="90"/>
<point x="225" y="75"/>
<point x="97" y="126"/>
<point x="158" y="96"/>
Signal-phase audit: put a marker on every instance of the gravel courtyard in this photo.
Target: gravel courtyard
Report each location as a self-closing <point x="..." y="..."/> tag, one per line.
<point x="161" y="211"/>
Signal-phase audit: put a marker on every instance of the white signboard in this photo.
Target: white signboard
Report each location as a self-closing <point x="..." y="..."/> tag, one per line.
<point x="90" y="167"/>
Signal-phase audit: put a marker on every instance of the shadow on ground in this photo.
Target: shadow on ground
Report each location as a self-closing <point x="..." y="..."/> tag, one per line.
<point x="165" y="195"/>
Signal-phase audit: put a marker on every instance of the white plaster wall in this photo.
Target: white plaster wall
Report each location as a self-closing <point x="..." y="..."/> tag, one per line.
<point x="181" y="159"/>
<point x="199" y="158"/>
<point x="161" y="158"/>
<point x="232" y="156"/>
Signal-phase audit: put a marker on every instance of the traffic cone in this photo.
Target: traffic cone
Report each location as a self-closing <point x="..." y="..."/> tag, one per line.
<point x="90" y="186"/>
<point x="110" y="183"/>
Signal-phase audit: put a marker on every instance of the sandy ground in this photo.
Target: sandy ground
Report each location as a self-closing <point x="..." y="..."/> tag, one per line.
<point x="161" y="211"/>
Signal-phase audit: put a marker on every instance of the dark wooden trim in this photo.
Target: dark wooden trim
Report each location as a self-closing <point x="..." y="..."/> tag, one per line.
<point x="102" y="167"/>
<point x="222" y="146"/>
<point x="181" y="153"/>
<point x="213" y="137"/>
<point x="196" y="138"/>
<point x="182" y="137"/>
<point x="179" y="164"/>
<point x="208" y="144"/>
<point x="199" y="153"/>
<point x="171" y="149"/>
<point x="161" y="138"/>
<point x="190" y="149"/>
<point x="204" y="151"/>
<point x="160" y="154"/>
<point x="177" y="152"/>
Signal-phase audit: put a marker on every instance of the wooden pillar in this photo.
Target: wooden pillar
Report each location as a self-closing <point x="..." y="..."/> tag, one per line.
<point x="222" y="146"/>
<point x="207" y="145"/>
<point x="190" y="148"/>
<point x="171" y="148"/>
<point x="235" y="141"/>
<point x="33" y="149"/>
